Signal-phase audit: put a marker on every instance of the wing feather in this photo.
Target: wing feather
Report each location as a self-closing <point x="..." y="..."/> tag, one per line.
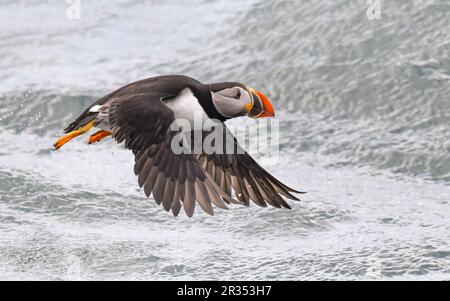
<point x="143" y="122"/>
<point x="240" y="173"/>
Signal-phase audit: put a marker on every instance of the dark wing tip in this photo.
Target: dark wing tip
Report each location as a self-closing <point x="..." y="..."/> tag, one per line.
<point x="296" y="191"/>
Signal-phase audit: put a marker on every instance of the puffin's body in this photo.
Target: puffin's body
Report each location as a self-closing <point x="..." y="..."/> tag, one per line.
<point x="142" y="113"/>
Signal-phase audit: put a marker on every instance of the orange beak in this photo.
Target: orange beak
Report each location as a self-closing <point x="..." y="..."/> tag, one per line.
<point x="261" y="106"/>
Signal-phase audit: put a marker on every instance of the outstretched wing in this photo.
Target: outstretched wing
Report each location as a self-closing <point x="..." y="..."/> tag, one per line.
<point x="143" y="122"/>
<point x="238" y="171"/>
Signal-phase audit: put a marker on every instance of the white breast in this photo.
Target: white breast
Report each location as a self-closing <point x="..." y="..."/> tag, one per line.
<point x="186" y="106"/>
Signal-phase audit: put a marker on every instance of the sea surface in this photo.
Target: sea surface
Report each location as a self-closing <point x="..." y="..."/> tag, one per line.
<point x="363" y="106"/>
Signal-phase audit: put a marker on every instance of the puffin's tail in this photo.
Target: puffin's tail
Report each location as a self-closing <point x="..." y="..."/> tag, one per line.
<point x="82" y="120"/>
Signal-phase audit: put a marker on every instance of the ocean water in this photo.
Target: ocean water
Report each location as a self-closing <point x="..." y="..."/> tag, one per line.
<point x="364" y="111"/>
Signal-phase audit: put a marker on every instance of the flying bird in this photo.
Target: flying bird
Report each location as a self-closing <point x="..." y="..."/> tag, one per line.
<point x="141" y="114"/>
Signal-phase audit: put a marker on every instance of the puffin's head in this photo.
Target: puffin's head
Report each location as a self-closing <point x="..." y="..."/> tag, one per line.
<point x="235" y="99"/>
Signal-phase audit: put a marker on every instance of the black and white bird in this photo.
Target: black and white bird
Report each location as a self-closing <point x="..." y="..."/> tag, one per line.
<point x="141" y="114"/>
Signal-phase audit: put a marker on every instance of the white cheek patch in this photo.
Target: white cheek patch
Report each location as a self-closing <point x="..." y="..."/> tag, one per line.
<point x="95" y="109"/>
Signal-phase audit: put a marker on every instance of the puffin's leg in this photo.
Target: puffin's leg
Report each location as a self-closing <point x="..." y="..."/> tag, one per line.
<point x="98" y="136"/>
<point x="66" y="138"/>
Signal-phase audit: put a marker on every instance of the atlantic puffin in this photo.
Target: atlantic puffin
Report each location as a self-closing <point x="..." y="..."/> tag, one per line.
<point x="141" y="113"/>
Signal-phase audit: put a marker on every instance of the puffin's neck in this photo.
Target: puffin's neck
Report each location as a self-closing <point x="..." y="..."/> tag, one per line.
<point x="203" y="94"/>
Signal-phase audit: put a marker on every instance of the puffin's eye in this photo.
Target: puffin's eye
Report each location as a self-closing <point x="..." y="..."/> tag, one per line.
<point x="238" y="94"/>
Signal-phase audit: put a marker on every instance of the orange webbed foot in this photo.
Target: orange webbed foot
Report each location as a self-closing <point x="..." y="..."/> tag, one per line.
<point x="98" y="136"/>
